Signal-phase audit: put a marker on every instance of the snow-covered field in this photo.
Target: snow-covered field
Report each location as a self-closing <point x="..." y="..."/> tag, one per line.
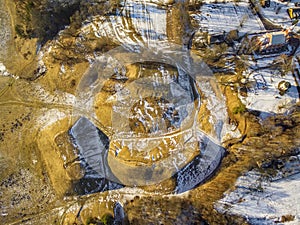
<point x="5" y="33"/>
<point x="277" y="13"/>
<point x="219" y="17"/>
<point x="265" y="201"/>
<point x="263" y="94"/>
<point x="147" y="25"/>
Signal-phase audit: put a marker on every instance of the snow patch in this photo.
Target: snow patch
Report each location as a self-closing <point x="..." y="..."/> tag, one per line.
<point x="224" y="17"/>
<point x="263" y="94"/>
<point x="263" y="202"/>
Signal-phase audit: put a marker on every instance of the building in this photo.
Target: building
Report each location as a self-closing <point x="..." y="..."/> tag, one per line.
<point x="272" y="42"/>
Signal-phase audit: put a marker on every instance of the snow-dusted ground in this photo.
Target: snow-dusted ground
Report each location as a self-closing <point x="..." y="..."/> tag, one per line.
<point x="277" y="13"/>
<point x="138" y="23"/>
<point x="2" y="69"/>
<point x="261" y="201"/>
<point x="262" y="89"/>
<point x="219" y="17"/>
<point x="262" y="92"/>
<point x="5" y="33"/>
<point x="265" y="201"/>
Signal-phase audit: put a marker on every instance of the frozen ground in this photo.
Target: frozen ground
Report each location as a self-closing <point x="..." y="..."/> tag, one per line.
<point x="219" y="17"/>
<point x="262" y="89"/>
<point x="5" y="33"/>
<point x="147" y="25"/>
<point x="266" y="201"/>
<point x="277" y="13"/>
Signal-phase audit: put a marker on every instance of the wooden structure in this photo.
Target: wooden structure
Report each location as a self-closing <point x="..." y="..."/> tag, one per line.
<point x="272" y="42"/>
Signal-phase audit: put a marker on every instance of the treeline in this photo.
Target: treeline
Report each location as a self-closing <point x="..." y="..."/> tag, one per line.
<point x="43" y="19"/>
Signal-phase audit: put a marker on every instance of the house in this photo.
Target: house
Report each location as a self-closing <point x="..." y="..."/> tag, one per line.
<point x="294" y="13"/>
<point x="272" y="42"/>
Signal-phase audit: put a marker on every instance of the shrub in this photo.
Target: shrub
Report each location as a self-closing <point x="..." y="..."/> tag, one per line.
<point x="239" y="109"/>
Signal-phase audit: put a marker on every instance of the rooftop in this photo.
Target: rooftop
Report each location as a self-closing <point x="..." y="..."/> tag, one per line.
<point x="277" y="38"/>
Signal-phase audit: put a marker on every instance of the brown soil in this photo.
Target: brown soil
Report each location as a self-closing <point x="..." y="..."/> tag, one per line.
<point x="21" y="58"/>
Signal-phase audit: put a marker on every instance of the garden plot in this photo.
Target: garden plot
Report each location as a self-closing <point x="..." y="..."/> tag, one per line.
<point x="219" y="17"/>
